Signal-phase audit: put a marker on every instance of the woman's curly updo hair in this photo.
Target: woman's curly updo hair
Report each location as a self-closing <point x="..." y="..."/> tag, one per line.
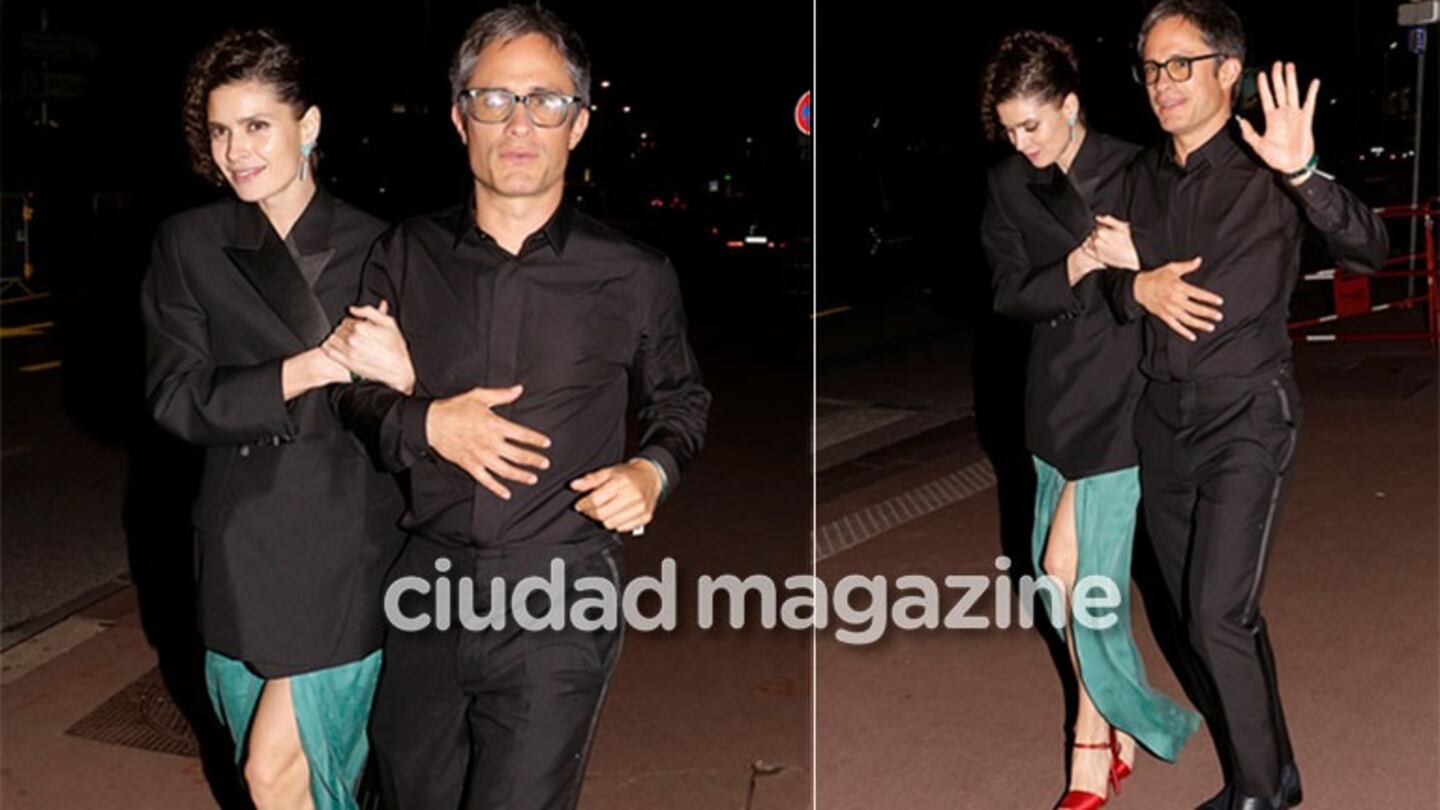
<point x="253" y="55"/>
<point x="1027" y="63"/>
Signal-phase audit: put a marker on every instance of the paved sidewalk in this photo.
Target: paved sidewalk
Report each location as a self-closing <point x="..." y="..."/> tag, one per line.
<point x="974" y="718"/>
<point x="942" y="719"/>
<point x="709" y="720"/>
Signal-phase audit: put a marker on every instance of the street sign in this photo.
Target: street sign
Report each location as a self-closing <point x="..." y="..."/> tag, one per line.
<point x="57" y="46"/>
<point x="53" y="84"/>
<point x="802" y="113"/>
<point x="1417" y="40"/>
<point x="1419" y="13"/>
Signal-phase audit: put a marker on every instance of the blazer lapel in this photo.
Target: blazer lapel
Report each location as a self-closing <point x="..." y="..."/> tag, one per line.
<point x="1051" y="187"/>
<point x="314" y="238"/>
<point x="265" y="262"/>
<point x="312" y="265"/>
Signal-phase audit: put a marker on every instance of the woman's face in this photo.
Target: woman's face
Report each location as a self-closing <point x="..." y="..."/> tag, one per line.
<point x="1038" y="129"/>
<point x="255" y="139"/>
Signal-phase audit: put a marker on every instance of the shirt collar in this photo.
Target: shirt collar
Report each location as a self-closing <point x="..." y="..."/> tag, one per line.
<point x="554" y="232"/>
<point x="1219" y="149"/>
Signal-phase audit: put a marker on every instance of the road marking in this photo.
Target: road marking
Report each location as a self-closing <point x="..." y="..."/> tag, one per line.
<point x="41" y="366"/>
<point x="843" y="424"/>
<point x="26" y="330"/>
<point x="831" y="311"/>
<point x="22" y="299"/>
<point x="849" y="531"/>
<point x="30" y="655"/>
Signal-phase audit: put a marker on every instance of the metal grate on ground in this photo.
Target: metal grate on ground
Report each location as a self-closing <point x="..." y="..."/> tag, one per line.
<point x="141" y="715"/>
<point x="851" y="530"/>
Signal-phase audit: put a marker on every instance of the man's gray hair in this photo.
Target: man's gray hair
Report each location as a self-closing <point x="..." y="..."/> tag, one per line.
<point x="514" y="21"/>
<point x="1219" y="25"/>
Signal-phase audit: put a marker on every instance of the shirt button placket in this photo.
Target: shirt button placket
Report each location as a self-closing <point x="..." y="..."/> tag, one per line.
<point x="506" y="317"/>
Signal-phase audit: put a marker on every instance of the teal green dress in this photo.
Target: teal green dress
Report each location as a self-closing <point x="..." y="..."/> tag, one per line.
<point x="1110" y="665"/>
<point x="332" y="710"/>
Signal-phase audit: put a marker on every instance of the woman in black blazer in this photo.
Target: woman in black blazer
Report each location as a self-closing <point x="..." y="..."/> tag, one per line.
<point x="295" y="528"/>
<point x="1049" y="239"/>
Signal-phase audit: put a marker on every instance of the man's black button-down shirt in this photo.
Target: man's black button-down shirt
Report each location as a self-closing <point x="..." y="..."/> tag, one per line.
<point x="1246" y="222"/>
<point x="583" y="317"/>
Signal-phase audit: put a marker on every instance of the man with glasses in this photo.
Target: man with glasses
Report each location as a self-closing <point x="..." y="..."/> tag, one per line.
<point x="1218" y="228"/>
<point x="529" y="327"/>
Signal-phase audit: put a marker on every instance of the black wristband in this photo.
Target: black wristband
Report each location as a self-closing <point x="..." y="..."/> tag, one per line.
<point x="1308" y="167"/>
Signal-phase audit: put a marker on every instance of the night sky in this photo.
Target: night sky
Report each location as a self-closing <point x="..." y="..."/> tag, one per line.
<point x="699" y="79"/>
<point x="898" y="142"/>
<point x="908" y="63"/>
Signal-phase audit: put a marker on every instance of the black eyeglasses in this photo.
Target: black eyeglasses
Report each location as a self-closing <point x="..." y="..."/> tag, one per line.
<point x="489" y="105"/>
<point x="1178" y="68"/>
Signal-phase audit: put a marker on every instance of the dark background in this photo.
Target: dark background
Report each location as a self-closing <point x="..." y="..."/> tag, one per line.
<point x="690" y="75"/>
<point x="91" y="138"/>
<point x="903" y="289"/>
<point x="708" y="153"/>
<point x="902" y="156"/>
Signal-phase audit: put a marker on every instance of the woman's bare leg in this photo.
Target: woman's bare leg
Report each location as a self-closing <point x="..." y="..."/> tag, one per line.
<point x="1089" y="768"/>
<point x="1127" y="747"/>
<point x="275" y="768"/>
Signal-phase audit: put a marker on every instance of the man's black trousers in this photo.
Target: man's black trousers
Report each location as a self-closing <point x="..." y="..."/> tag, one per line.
<point x="495" y="719"/>
<point x="1216" y="457"/>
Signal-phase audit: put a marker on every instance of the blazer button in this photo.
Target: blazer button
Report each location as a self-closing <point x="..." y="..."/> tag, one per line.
<point x="244" y="451"/>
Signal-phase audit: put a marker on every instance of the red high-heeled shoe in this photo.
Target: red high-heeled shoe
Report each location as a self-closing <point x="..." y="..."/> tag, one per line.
<point x="1119" y="768"/>
<point x="1084" y="799"/>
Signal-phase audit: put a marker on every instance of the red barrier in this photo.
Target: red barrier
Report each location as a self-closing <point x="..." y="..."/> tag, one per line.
<point x="1352" y="291"/>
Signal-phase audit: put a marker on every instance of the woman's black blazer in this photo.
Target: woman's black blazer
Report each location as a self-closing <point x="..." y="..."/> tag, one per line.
<point x="1083" y="377"/>
<point x="295" y="527"/>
